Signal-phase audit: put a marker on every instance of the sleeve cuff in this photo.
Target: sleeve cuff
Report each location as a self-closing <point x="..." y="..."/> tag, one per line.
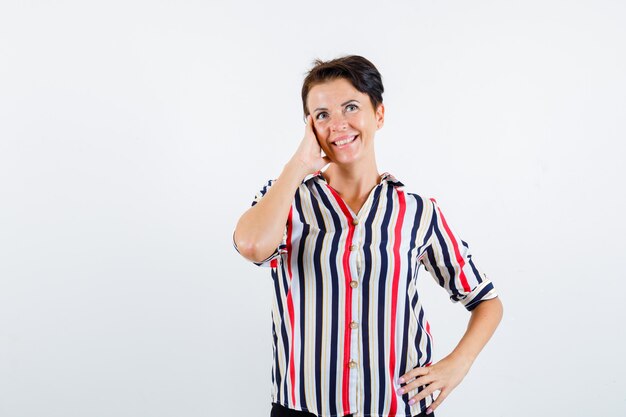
<point x="484" y="291"/>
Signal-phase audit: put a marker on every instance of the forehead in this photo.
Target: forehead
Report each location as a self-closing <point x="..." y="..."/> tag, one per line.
<point x="332" y="92"/>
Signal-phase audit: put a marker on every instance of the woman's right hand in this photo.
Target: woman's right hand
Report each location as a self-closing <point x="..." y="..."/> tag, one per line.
<point x="261" y="228"/>
<point x="309" y="154"/>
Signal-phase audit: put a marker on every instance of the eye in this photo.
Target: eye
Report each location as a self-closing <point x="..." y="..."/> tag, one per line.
<point x="320" y="114"/>
<point x="352" y="105"/>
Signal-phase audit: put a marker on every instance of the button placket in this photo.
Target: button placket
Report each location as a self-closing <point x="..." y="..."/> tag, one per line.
<point x="356" y="274"/>
<point x="354" y="285"/>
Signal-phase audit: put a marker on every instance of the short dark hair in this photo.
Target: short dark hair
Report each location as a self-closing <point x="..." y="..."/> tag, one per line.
<point x="360" y="72"/>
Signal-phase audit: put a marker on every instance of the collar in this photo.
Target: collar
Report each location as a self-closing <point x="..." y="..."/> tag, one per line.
<point x="384" y="177"/>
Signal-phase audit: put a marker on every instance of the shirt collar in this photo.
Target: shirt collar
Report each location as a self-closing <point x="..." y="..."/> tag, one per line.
<point x="386" y="177"/>
<point x="391" y="180"/>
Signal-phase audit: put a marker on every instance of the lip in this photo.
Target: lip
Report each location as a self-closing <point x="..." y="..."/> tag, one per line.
<point x="343" y="137"/>
<point x="334" y="142"/>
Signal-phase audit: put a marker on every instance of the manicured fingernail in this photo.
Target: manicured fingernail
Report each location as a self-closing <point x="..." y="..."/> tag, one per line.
<point x="401" y="391"/>
<point x="428" y="411"/>
<point x="401" y="380"/>
<point x="412" y="401"/>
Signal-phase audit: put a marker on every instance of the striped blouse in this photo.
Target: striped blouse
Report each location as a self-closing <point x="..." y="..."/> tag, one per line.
<point x="347" y="320"/>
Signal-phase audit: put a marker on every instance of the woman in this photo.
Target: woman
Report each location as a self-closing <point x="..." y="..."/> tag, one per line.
<point x="345" y="246"/>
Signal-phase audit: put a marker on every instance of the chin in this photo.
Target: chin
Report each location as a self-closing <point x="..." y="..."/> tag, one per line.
<point x="345" y="161"/>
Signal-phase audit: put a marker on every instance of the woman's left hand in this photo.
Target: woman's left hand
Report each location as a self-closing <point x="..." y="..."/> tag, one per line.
<point x="443" y="376"/>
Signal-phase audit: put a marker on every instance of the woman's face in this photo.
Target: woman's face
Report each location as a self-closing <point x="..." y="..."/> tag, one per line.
<point x="344" y="121"/>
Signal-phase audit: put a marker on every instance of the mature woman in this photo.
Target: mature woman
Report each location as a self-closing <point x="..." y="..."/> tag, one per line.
<point x="345" y="247"/>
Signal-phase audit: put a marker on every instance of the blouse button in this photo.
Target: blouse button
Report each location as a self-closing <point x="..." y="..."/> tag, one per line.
<point x="354" y="325"/>
<point x="355" y="221"/>
<point x="353" y="248"/>
<point x="354" y="284"/>
<point x="352" y="364"/>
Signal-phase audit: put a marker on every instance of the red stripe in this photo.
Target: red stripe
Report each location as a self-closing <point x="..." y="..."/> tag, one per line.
<point x="432" y="342"/>
<point x="289" y="229"/>
<point x="348" y="314"/>
<point x="292" y="365"/>
<point x="457" y="252"/>
<point x="394" y="300"/>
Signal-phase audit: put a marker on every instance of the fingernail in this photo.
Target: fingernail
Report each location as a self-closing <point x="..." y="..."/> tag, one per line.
<point x="428" y="411"/>
<point x="401" y="391"/>
<point x="412" y="401"/>
<point x="401" y="380"/>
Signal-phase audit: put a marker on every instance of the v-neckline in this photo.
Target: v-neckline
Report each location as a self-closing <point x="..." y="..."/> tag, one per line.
<point x="358" y="215"/>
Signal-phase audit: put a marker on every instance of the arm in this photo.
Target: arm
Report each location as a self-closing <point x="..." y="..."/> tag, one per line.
<point x="446" y="374"/>
<point x="450" y="262"/>
<point x="482" y="324"/>
<point x="260" y="229"/>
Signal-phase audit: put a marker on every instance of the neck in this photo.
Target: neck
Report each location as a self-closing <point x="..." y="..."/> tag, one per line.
<point x="351" y="181"/>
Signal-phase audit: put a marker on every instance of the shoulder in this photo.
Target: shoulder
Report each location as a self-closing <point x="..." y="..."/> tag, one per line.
<point x="420" y="199"/>
<point x="411" y="198"/>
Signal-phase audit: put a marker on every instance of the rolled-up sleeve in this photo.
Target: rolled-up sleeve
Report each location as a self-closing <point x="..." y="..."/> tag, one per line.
<point x="449" y="261"/>
<point x="274" y="258"/>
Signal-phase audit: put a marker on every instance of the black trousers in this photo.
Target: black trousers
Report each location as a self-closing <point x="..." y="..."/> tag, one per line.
<point x="281" y="411"/>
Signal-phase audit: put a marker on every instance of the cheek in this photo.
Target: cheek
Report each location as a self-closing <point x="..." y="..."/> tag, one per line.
<point x="320" y="129"/>
<point x="357" y="121"/>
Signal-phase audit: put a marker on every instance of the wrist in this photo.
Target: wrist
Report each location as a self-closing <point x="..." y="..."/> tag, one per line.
<point x="464" y="358"/>
<point x="295" y="167"/>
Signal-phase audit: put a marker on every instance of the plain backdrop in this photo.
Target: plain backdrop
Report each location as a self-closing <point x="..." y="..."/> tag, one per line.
<point x="133" y="134"/>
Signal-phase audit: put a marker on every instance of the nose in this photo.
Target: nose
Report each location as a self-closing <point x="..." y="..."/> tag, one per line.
<point x="338" y="123"/>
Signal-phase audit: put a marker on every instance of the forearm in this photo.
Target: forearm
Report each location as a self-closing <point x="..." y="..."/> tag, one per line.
<point x="446" y="374"/>
<point x="260" y="229"/>
<point x="482" y="324"/>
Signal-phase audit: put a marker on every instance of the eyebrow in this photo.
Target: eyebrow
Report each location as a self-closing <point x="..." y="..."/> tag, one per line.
<point x="342" y="104"/>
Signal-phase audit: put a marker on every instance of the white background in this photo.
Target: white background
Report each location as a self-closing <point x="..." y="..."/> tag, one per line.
<point x="133" y="134"/>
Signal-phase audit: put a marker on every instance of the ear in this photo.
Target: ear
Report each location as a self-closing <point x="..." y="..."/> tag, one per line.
<point x="380" y="116"/>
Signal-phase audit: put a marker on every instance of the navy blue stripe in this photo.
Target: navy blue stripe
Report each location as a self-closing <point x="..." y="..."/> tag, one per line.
<point x="405" y="352"/>
<point x="285" y="276"/>
<point x="276" y="373"/>
<point x="426" y="239"/>
<point x="421" y="333"/>
<point x="407" y="302"/>
<point x="447" y="263"/>
<point x="365" y="287"/>
<point x="283" y="328"/>
<point x="479" y="278"/>
<point x="334" y="279"/>
<point x="431" y="266"/>
<point x="478" y="299"/>
<point x="302" y="297"/>
<point x="319" y="294"/>
<point x="418" y="334"/>
<point x="419" y="208"/>
<point x="382" y="307"/>
<point x="421" y="361"/>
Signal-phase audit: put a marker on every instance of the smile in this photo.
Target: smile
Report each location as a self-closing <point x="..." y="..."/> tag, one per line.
<point x="345" y="141"/>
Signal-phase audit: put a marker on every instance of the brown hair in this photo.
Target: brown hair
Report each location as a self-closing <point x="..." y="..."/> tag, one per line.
<point x="360" y="72"/>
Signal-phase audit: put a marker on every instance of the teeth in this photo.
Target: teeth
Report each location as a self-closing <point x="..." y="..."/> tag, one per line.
<point x="343" y="142"/>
